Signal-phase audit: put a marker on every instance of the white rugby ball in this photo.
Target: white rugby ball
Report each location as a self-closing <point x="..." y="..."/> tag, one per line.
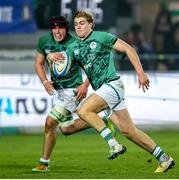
<point x="61" y="68"/>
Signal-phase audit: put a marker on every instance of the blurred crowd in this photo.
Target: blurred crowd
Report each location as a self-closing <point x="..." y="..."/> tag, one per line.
<point x="163" y="43"/>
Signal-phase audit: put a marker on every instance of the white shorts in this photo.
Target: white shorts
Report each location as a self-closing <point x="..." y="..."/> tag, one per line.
<point x="113" y="93"/>
<point x="64" y="105"/>
<point x="66" y="98"/>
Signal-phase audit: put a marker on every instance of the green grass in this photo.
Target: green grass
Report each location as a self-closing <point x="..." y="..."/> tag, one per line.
<point x="83" y="156"/>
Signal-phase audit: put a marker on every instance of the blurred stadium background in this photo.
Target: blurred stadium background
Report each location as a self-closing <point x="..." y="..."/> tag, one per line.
<point x="152" y="27"/>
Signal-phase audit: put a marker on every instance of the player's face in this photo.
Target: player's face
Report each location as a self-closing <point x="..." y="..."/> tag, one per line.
<point x="59" y="33"/>
<point x="82" y="27"/>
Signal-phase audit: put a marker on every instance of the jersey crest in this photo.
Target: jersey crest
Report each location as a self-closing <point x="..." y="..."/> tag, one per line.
<point x="93" y="45"/>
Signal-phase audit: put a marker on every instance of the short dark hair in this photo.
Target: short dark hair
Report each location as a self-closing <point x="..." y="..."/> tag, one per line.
<point x="60" y="21"/>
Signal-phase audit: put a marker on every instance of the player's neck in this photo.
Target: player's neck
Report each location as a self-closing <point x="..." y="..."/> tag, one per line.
<point x="87" y="35"/>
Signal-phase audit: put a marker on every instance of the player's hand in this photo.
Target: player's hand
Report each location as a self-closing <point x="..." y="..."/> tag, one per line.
<point x="81" y="92"/>
<point x="143" y="82"/>
<point x="55" y="57"/>
<point x="49" y="87"/>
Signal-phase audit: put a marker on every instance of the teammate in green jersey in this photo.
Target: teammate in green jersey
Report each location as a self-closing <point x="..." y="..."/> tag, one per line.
<point x="93" y="52"/>
<point x="67" y="91"/>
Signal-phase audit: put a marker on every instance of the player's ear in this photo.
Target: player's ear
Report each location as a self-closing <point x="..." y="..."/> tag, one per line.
<point x="92" y="25"/>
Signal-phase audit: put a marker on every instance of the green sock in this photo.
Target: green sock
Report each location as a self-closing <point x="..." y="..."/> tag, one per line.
<point x="106" y="134"/>
<point x="44" y="162"/>
<point x="160" y="155"/>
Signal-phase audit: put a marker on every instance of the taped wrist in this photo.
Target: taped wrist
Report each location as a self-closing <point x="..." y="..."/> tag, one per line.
<point x="44" y="82"/>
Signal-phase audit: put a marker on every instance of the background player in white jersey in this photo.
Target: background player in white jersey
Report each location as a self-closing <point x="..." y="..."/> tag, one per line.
<point x="67" y="91"/>
<point x="93" y="51"/>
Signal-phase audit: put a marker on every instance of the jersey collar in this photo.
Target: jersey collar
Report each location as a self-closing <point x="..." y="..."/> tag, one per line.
<point x="88" y="36"/>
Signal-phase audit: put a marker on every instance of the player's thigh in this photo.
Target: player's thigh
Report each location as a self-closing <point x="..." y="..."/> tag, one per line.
<point x="78" y="125"/>
<point x="123" y="120"/>
<point x="94" y="103"/>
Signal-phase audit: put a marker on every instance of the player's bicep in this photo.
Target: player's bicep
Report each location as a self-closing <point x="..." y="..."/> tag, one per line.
<point x="121" y="46"/>
<point x="39" y="58"/>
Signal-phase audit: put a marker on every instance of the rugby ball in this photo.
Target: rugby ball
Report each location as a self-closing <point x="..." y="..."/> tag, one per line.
<point x="61" y="68"/>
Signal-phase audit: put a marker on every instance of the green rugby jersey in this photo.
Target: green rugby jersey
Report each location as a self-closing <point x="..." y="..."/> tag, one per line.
<point x="94" y="55"/>
<point x="47" y="44"/>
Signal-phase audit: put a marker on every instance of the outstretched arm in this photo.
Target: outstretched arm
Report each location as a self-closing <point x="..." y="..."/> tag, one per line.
<point x="123" y="47"/>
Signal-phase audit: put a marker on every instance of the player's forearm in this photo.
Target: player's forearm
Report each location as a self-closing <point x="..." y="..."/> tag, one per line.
<point x="86" y="83"/>
<point x="39" y="68"/>
<point x="134" y="59"/>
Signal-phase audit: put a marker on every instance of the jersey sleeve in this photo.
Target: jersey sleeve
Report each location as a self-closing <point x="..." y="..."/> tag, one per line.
<point x="108" y="39"/>
<point x="39" y="47"/>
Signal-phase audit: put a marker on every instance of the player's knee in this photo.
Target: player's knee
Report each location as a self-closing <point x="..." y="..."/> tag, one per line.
<point x="128" y="132"/>
<point x="82" y="112"/>
<point x="50" y="124"/>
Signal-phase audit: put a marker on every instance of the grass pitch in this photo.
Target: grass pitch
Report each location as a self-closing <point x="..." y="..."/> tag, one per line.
<point x="84" y="156"/>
